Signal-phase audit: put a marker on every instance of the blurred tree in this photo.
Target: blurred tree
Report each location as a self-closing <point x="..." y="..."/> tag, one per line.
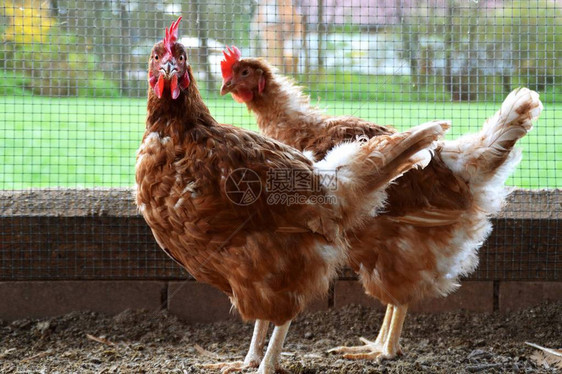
<point x="530" y="34"/>
<point x="321" y="34"/>
<point x="125" y="51"/>
<point x="409" y="28"/>
<point x="491" y="42"/>
<point x="448" y="44"/>
<point x="229" y="21"/>
<point x="202" y="35"/>
<point x="457" y="23"/>
<point x="28" y="21"/>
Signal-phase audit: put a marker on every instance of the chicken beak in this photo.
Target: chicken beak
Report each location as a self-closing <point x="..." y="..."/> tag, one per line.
<point x="226" y="87"/>
<point x="168" y="69"/>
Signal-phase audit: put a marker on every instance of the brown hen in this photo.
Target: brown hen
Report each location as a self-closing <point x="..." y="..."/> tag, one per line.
<point x="435" y="219"/>
<point x="203" y="189"/>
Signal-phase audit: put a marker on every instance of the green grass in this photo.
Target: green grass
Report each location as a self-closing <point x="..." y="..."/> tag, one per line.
<point x="349" y="86"/>
<point x="69" y="142"/>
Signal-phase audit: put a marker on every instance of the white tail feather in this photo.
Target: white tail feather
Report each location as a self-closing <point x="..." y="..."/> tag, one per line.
<point x="478" y="157"/>
<point x="487" y="158"/>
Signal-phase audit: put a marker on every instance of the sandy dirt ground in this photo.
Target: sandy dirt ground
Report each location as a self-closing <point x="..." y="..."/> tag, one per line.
<point x="155" y="342"/>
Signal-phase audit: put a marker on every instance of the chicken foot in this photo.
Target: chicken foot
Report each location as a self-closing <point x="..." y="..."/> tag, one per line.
<point x="386" y="345"/>
<point x="255" y="353"/>
<point x="270" y="361"/>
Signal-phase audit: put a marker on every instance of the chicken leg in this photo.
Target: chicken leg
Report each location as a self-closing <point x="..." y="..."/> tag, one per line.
<point x="254" y="355"/>
<point x="270" y="361"/>
<point x="386" y="345"/>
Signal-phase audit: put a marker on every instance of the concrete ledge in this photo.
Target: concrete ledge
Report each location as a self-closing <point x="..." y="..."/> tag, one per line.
<point x="79" y="234"/>
<point x="46" y="299"/>
<point x="318" y="305"/>
<point x="196" y="302"/>
<point x="63" y="250"/>
<point x="119" y="202"/>
<point x="200" y="303"/>
<point x="351" y="292"/>
<point x="475" y="296"/>
<point x="79" y="248"/>
<point x="521" y="295"/>
<point x="68" y="202"/>
<point x="96" y="248"/>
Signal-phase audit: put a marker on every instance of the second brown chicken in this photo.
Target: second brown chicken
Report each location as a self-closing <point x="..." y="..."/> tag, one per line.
<point x="435" y="218"/>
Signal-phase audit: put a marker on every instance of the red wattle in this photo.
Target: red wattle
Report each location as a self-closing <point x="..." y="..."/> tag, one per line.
<point x="159" y="87"/>
<point x="185" y="81"/>
<point x="243" y="96"/>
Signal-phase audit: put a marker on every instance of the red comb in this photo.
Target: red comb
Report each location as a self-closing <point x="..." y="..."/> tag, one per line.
<point x="230" y="58"/>
<point x="171" y="35"/>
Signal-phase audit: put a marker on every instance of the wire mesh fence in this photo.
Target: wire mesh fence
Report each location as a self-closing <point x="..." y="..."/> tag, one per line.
<point x="73" y="88"/>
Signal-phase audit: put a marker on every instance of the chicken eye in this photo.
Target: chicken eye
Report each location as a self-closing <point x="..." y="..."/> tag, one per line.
<point x="156" y="57"/>
<point x="181" y="58"/>
<point x="245" y="72"/>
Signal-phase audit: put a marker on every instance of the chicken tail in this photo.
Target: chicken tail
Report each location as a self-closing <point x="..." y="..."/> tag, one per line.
<point x="362" y="170"/>
<point x="487" y="158"/>
<point x="479" y="157"/>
